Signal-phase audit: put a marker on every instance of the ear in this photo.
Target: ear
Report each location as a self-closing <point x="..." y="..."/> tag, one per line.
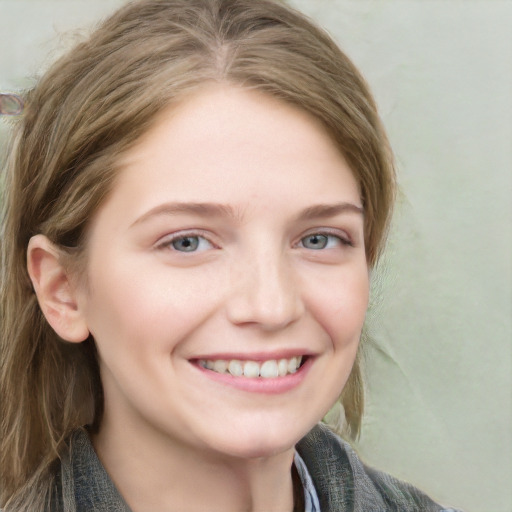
<point x="54" y="290"/>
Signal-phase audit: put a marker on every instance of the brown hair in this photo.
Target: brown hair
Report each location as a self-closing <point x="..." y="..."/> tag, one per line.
<point x="89" y="108"/>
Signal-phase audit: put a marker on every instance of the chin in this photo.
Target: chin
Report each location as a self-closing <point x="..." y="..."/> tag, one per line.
<point x="261" y="442"/>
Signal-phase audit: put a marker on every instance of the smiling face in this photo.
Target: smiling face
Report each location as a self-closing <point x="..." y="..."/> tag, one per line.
<point x="227" y="281"/>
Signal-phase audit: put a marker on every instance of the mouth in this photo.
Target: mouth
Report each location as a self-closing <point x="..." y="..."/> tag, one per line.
<point x="269" y="369"/>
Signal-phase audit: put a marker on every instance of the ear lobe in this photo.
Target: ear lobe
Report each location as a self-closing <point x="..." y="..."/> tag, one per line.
<point x="54" y="290"/>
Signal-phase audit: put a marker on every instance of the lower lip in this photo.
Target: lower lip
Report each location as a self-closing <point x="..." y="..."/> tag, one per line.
<point x="272" y="386"/>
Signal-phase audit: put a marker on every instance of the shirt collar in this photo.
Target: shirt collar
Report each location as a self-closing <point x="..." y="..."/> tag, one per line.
<point x="311" y="503"/>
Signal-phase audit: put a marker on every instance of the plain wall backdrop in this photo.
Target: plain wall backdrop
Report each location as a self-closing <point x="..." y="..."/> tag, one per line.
<point x="439" y="369"/>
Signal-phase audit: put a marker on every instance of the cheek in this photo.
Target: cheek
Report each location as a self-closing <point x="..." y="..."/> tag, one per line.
<point x="147" y="309"/>
<point x="341" y="309"/>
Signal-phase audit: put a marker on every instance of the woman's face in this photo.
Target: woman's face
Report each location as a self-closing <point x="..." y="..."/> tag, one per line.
<point x="232" y="244"/>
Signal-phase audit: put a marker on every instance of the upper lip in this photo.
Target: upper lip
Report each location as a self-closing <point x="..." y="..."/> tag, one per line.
<point x="254" y="356"/>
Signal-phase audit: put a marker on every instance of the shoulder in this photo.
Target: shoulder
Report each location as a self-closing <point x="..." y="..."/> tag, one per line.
<point x="344" y="482"/>
<point x="82" y="483"/>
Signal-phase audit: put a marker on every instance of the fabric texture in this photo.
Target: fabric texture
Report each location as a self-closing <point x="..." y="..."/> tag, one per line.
<point x="344" y="484"/>
<point x="311" y="503"/>
<point x="341" y="481"/>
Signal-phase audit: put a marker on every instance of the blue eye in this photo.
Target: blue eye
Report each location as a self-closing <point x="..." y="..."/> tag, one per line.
<point x="318" y="241"/>
<point x="189" y="243"/>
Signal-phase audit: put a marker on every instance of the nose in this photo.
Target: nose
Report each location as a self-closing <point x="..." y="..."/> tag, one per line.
<point x="265" y="292"/>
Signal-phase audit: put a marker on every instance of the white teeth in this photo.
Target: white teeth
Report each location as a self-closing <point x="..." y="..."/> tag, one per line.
<point x="220" y="366"/>
<point x="269" y="370"/>
<point x="235" y="368"/>
<point x="252" y="369"/>
<point x="282" y="367"/>
<point x="292" y="365"/>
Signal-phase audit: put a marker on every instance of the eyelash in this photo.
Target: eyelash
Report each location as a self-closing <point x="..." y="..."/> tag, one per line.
<point x="345" y="241"/>
<point x="168" y="242"/>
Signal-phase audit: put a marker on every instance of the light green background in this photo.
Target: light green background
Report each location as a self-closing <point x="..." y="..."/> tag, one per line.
<point x="439" y="410"/>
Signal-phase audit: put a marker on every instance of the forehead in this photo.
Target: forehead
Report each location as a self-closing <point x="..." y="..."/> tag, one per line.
<point x="231" y="144"/>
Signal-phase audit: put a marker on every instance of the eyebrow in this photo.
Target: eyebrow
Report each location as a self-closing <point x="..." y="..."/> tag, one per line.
<point x="322" y="211"/>
<point x="217" y="210"/>
<point x="200" y="209"/>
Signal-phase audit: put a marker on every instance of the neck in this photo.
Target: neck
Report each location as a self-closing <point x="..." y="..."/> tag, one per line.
<point x="155" y="472"/>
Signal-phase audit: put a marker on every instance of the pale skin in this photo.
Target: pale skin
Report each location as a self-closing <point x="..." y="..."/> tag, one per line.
<point x="234" y="232"/>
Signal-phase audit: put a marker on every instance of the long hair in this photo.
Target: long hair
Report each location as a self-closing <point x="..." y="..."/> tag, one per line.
<point x="88" y="109"/>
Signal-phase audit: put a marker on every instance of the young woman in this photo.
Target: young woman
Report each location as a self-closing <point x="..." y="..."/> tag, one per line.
<point x="193" y="202"/>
